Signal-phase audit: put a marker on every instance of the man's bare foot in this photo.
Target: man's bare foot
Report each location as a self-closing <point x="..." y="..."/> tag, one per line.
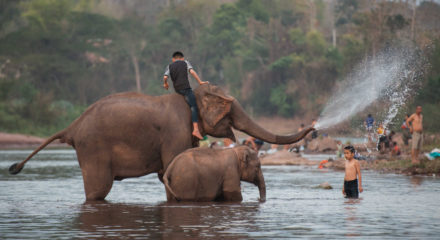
<point x="197" y="134"/>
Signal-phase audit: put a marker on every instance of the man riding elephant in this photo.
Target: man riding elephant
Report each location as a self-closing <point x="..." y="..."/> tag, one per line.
<point x="178" y="72"/>
<point x="130" y="134"/>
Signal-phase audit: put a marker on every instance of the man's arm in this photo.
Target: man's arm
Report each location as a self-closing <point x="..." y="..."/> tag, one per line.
<point x="358" y="170"/>
<point x="166" y="75"/>
<point x="408" y="121"/>
<point x="251" y="141"/>
<point x="165" y="82"/>
<point x="194" y="74"/>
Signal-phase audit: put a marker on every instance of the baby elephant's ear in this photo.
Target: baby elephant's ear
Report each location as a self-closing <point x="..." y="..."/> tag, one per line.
<point x="246" y="156"/>
<point x="214" y="107"/>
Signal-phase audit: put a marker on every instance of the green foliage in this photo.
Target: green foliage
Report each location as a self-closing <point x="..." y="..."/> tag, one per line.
<point x="345" y="9"/>
<point x="352" y="49"/>
<point x="58" y="56"/>
<point x="253" y="8"/>
<point x="282" y="101"/>
<point x="335" y="58"/>
<point x="316" y="44"/>
<point x="297" y="37"/>
<point x="396" y="22"/>
<point x="47" y="14"/>
<point x="281" y="64"/>
<point x="429" y="97"/>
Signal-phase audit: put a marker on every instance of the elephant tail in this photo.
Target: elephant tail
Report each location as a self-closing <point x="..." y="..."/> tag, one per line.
<point x="167" y="186"/>
<point x="17" y="167"/>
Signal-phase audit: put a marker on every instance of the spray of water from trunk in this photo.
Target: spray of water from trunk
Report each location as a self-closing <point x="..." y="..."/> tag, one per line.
<point x="391" y="77"/>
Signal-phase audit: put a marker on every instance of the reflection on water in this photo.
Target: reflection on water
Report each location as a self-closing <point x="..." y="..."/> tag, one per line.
<point x="46" y="200"/>
<point x="416" y="181"/>
<point x="164" y="220"/>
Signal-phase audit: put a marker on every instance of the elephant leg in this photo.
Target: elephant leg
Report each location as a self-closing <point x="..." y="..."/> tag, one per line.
<point x="97" y="184"/>
<point x="97" y="176"/>
<point x="232" y="196"/>
<point x="231" y="191"/>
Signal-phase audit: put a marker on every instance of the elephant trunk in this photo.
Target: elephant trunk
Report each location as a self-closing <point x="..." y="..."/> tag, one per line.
<point x="261" y="186"/>
<point x="241" y="121"/>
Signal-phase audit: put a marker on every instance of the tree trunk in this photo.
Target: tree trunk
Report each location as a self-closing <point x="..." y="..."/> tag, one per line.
<point x="413" y="19"/>
<point x="136" y="72"/>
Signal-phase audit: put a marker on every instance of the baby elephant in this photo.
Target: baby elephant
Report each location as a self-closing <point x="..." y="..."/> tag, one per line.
<point x="204" y="174"/>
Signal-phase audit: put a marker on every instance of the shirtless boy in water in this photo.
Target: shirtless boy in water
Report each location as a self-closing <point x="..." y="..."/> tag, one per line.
<point x="352" y="172"/>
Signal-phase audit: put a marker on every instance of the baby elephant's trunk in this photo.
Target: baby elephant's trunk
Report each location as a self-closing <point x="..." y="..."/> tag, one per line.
<point x="261" y="186"/>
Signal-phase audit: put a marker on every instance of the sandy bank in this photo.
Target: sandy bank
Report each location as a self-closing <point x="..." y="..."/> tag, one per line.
<point x="10" y="141"/>
<point x="286" y="158"/>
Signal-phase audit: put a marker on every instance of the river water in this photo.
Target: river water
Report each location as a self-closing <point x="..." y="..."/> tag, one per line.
<point x="46" y="200"/>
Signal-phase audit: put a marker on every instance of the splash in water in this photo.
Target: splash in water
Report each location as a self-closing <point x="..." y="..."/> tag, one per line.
<point x="390" y="77"/>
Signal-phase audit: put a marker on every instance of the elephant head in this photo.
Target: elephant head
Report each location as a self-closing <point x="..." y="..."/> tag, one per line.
<point x="250" y="169"/>
<point x="220" y="112"/>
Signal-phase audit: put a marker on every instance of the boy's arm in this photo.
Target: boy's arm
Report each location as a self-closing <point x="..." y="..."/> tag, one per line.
<point x="343" y="188"/>
<point x="358" y="170"/>
<point x="194" y="74"/>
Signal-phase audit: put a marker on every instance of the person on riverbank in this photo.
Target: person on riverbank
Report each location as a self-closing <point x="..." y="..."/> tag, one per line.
<point x="415" y="124"/>
<point x="395" y="151"/>
<point x="369" y="124"/>
<point x="382" y="137"/>
<point x="405" y="129"/>
<point x="352" y="174"/>
<point x="314" y="132"/>
<point x="178" y="72"/>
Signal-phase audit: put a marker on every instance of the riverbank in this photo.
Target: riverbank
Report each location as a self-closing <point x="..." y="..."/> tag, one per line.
<point x="21" y="141"/>
<point x="398" y="165"/>
<point x="380" y="163"/>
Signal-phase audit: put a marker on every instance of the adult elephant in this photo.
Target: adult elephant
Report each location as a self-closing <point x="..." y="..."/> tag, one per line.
<point x="131" y="134"/>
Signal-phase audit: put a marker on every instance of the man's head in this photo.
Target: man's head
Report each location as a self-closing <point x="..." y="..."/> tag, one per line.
<point x="178" y="56"/>
<point x="369" y="115"/>
<point x="349" y="152"/>
<point x="419" y="109"/>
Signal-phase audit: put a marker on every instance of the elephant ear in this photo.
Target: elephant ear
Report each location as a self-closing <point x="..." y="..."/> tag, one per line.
<point x="214" y="107"/>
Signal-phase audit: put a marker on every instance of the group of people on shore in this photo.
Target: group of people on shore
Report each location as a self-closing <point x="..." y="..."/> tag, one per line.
<point x="412" y="128"/>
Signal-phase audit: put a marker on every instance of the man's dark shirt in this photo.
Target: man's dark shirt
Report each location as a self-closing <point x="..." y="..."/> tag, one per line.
<point x="178" y="72"/>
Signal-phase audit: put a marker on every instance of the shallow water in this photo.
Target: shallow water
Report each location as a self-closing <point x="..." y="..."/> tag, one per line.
<point x="46" y="200"/>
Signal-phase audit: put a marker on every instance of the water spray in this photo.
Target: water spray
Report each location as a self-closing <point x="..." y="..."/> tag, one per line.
<point x="391" y="77"/>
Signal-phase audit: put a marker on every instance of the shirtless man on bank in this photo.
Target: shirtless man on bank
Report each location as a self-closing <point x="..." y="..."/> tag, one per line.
<point x="414" y="122"/>
<point x="352" y="173"/>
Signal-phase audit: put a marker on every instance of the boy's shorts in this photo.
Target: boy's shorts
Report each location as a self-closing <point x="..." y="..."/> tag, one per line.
<point x="351" y="189"/>
<point x="417" y="140"/>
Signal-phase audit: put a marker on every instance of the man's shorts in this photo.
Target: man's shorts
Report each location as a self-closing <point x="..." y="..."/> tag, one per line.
<point x="417" y="140"/>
